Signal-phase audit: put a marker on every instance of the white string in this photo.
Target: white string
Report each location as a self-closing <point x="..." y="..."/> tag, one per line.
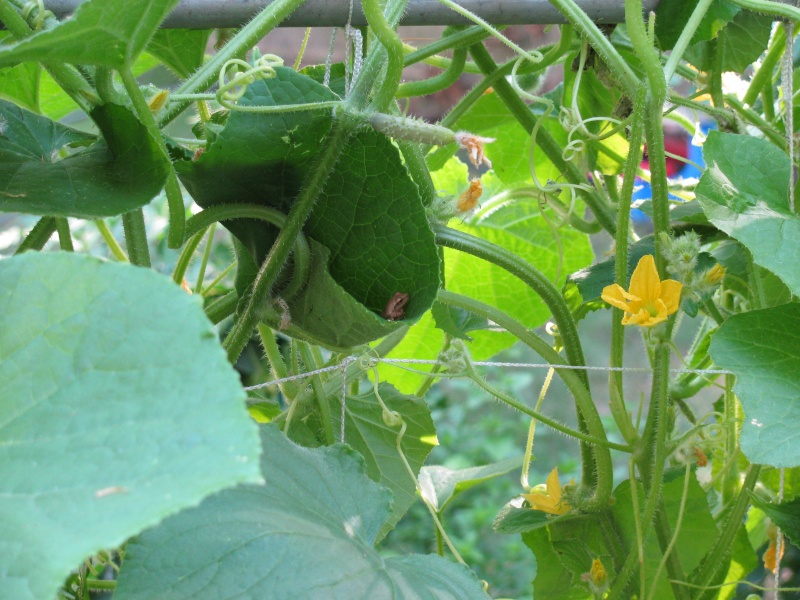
<point x="350" y="359"/>
<point x="346" y="362"/>
<point x="326" y="80"/>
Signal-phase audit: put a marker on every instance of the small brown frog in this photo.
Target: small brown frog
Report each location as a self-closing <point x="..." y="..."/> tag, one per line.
<point x="396" y="307"/>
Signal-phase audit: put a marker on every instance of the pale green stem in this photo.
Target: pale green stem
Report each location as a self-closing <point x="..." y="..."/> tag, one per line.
<point x="111" y="241"/>
<point x="177" y="211"/>
<point x="201" y="274"/>
<point x="394" y="47"/>
<point x="685" y="38"/>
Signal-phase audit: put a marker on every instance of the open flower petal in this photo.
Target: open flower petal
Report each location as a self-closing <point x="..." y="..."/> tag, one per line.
<point x="548" y="501"/>
<point x="671" y="294"/>
<point x="650" y="301"/>
<point x="616" y="296"/>
<point x="645" y="282"/>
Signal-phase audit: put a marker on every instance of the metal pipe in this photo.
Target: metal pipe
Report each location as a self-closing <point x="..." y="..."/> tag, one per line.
<point x="207" y="14"/>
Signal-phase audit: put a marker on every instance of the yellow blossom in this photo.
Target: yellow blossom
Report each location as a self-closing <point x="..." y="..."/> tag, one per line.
<point x="714" y="275"/>
<point x="597" y="578"/>
<point x="549" y="499"/>
<point x="598" y="574"/>
<point x="771" y="554"/>
<point x="650" y="300"/>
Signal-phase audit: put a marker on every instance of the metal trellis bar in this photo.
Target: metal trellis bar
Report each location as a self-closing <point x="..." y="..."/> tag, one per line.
<point x="207" y="14"/>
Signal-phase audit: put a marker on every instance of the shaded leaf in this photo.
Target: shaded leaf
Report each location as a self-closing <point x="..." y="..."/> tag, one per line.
<point x="673" y="15"/>
<point x="182" y="50"/>
<point x="516" y="518"/>
<point x="20" y="83"/>
<point x="695" y="537"/>
<point x="457" y="322"/>
<point x="317" y="509"/>
<point x="743" y="40"/>
<point x="119" y="408"/>
<point x="100" y="32"/>
<point x="785" y="515"/>
<point x="439" y="485"/>
<point x="366" y="431"/>
<point x="761" y="348"/>
<point x="123" y="172"/>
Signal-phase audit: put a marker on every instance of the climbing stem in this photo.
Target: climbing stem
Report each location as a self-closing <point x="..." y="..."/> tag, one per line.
<point x="544" y="288"/>
<point x="439" y="82"/>
<point x="651" y="456"/>
<point x="136" y="237"/>
<point x="186" y="256"/>
<point x="643" y="47"/>
<point x="177" y="212"/>
<point x="454" y="38"/>
<point x="685" y="38"/>
<point x="654" y="130"/>
<point x="64" y="234"/>
<point x="775" y="9"/>
<point x="600" y="482"/>
<point x="716" y="558"/>
<point x="221" y="308"/>
<point x="223" y="212"/>
<point x="553" y="54"/>
<point x="763" y="77"/>
<point x="259" y="294"/>
<point x="387" y="36"/>
<point x="39" y="235"/>
<point x="615" y="379"/>
<point x="111" y="241"/>
<point x="319" y="391"/>
<point x="538" y="416"/>
<point x="541" y="285"/>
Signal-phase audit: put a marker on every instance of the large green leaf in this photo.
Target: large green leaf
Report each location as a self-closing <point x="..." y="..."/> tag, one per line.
<point x="110" y="33"/>
<point x="366" y="431"/>
<point x="673" y="15"/>
<point x="308" y="533"/>
<point x="123" y="172"/>
<point x="761" y="348"/>
<point x="182" y="50"/>
<point x="369" y="214"/>
<point x="118" y="409"/>
<point x="743" y="40"/>
<point x="745" y="192"/>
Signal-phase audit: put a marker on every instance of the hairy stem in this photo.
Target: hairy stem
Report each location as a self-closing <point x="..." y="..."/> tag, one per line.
<point x="242" y="329"/>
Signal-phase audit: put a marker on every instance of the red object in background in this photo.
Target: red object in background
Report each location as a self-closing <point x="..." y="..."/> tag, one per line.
<point x="674" y="144"/>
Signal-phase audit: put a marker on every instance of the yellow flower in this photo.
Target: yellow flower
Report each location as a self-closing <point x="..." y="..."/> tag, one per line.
<point x="714" y="275"/>
<point x="597" y="578"/>
<point x="598" y="574"/>
<point x="650" y="300"/>
<point x="549" y="499"/>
